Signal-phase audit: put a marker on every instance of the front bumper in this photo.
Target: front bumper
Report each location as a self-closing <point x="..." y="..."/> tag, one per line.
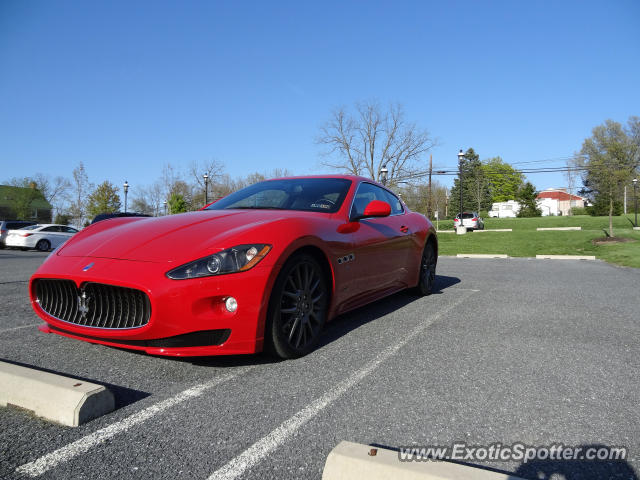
<point x="183" y="312"/>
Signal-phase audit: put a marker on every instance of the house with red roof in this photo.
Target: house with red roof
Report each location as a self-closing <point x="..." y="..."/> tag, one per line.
<point x="557" y="201"/>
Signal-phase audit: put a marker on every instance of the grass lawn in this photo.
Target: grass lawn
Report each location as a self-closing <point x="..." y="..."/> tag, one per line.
<point x="525" y="241"/>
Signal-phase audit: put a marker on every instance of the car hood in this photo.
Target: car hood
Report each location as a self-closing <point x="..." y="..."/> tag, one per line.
<point x="174" y="238"/>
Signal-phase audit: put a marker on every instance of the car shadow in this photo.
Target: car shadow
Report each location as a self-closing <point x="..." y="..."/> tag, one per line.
<point x="343" y="324"/>
<point x="337" y="328"/>
<point x="552" y="469"/>
<point x="577" y="469"/>
<point x="123" y="396"/>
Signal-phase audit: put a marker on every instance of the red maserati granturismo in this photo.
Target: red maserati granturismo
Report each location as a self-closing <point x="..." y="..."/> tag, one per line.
<point x="264" y="268"/>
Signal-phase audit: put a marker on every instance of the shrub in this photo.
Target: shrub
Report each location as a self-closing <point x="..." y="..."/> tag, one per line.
<point x="600" y="207"/>
<point x="579" y="211"/>
<point x="62" y="219"/>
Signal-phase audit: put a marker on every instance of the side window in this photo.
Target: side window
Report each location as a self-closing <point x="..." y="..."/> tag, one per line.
<point x="50" y="229"/>
<point x="396" y="204"/>
<point x="69" y="230"/>
<point x="368" y="192"/>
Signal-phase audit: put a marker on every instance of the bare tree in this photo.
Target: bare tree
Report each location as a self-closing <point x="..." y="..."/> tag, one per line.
<point x="361" y="142"/>
<point x="81" y="190"/>
<point x="57" y="190"/>
<point x="416" y="196"/>
<point x="571" y="175"/>
<point x="214" y="170"/>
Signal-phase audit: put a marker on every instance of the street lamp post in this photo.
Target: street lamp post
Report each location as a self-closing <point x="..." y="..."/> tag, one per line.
<point x="126" y="191"/>
<point x="383" y="174"/>
<point x="460" y="160"/>
<point x="165" y="207"/>
<point x="206" y="188"/>
<point x="635" y="195"/>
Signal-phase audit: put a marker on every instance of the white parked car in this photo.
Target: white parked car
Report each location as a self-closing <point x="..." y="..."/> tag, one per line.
<point x="41" y="237"/>
<point x="471" y="220"/>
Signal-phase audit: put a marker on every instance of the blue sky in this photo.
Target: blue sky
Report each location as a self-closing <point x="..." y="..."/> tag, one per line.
<point x="127" y="86"/>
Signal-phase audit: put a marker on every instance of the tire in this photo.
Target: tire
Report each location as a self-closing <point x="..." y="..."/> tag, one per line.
<point x="298" y="308"/>
<point x="427" y="276"/>
<point x="43" y="245"/>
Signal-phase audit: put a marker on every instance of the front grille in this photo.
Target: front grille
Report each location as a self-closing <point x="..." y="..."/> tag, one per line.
<point x="94" y="304"/>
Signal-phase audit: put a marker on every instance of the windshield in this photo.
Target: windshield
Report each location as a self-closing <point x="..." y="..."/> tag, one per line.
<point x="305" y="194"/>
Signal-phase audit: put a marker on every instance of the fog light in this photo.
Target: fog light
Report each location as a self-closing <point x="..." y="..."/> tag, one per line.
<point x="231" y="304"/>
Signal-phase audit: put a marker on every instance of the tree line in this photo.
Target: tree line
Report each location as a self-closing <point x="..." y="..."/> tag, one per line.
<point x="367" y="139"/>
<point x="76" y="200"/>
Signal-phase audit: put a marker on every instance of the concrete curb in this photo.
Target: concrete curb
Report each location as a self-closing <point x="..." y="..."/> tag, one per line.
<point x="494" y="230"/>
<point x="57" y="398"/>
<point x="353" y="461"/>
<point x="565" y="257"/>
<point x="541" y="229"/>
<point x="482" y="255"/>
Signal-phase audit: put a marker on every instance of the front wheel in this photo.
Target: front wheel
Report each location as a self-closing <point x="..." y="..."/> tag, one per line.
<point x="428" y="264"/>
<point x="298" y="308"/>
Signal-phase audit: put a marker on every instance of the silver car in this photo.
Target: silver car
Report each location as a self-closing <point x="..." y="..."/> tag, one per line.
<point x="471" y="220"/>
<point x="40" y="237"/>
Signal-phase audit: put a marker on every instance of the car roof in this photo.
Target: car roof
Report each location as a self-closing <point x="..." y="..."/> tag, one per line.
<point x="345" y="177"/>
<point x="41" y="225"/>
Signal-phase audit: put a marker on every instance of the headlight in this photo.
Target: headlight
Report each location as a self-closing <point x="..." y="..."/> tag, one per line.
<point x="231" y="260"/>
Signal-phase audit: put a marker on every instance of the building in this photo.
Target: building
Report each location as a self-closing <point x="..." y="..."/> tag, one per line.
<point x="556" y="201"/>
<point x="508" y="209"/>
<point x="24" y="202"/>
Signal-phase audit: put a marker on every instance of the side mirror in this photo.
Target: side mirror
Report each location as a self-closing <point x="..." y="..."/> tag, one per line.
<point x="377" y="208"/>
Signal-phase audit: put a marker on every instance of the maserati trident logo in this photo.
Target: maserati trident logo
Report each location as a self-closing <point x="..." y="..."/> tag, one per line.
<point x="87" y="267"/>
<point x="83" y="304"/>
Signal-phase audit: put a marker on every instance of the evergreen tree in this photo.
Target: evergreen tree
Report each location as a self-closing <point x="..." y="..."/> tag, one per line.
<point x="177" y="203"/>
<point x="104" y="199"/>
<point x="526" y="196"/>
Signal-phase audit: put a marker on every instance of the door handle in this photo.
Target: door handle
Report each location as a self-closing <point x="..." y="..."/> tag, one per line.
<point x="404" y="229"/>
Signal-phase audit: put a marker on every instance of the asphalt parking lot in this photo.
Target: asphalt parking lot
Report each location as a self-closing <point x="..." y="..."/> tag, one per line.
<point x="513" y="350"/>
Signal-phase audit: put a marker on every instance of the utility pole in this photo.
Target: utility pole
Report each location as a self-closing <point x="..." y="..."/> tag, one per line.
<point x="446" y="203"/>
<point x="460" y="159"/>
<point x="625" y="199"/>
<point x="429" y="193"/>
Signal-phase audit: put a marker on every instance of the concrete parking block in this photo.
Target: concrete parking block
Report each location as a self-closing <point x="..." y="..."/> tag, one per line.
<point x="445" y="231"/>
<point x="482" y="255"/>
<point x="494" y="230"/>
<point x="354" y="461"/>
<point x="61" y="399"/>
<point x="540" y="229"/>
<point x="566" y="257"/>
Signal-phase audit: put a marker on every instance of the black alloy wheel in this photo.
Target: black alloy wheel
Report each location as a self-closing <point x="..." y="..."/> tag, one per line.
<point x="43" y="245"/>
<point x="428" y="265"/>
<point x="298" y="307"/>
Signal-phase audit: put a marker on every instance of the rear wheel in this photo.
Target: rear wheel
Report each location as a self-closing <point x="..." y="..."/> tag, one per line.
<point x="428" y="264"/>
<point x="298" y="308"/>
<point x="43" y="245"/>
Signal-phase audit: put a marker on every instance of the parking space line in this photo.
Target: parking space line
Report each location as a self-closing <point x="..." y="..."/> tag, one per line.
<point x="266" y="445"/>
<point x="19" y="328"/>
<point x="84" y="444"/>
